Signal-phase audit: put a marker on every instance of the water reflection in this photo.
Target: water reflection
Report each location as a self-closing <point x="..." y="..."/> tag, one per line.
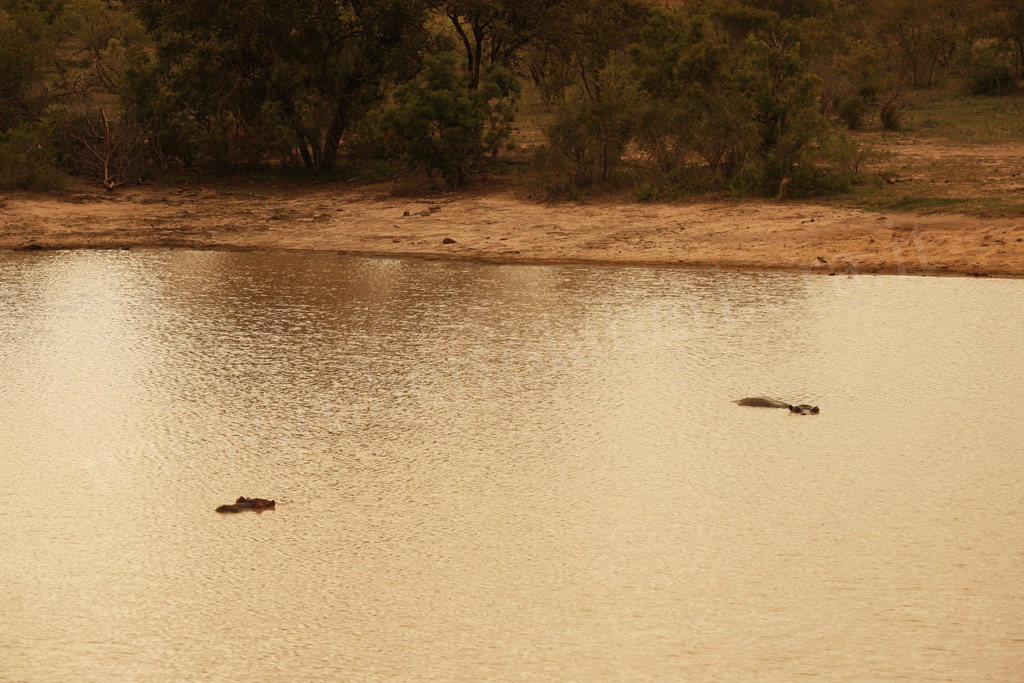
<point x="504" y="473"/>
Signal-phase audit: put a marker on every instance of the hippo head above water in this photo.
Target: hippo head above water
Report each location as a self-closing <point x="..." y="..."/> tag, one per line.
<point x="804" y="409"/>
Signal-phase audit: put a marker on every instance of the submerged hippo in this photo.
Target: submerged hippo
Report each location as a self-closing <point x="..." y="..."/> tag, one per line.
<point x="764" y="402"/>
<point x="244" y="503"/>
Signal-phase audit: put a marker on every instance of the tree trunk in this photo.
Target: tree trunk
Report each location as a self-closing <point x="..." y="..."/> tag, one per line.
<point x="107" y="181"/>
<point x="332" y="143"/>
<point x="474" y="81"/>
<point x="307" y="159"/>
<point x="470" y="60"/>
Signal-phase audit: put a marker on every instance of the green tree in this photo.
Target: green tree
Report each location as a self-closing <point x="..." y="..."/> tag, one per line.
<point x="1004" y="21"/>
<point x="589" y="136"/>
<point x="580" y="41"/>
<point x="61" y="64"/>
<point x="784" y="97"/>
<point x="231" y="78"/>
<point x="437" y="123"/>
<point x="926" y="33"/>
<point x="705" y="111"/>
<point x="687" y="68"/>
<point x="25" y="47"/>
<point x="496" y="31"/>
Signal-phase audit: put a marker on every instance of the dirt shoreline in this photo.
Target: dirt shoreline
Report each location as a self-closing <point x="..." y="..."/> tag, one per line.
<point x="496" y="225"/>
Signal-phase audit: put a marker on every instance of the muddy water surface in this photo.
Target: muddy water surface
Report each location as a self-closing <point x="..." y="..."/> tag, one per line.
<point x="504" y="473"/>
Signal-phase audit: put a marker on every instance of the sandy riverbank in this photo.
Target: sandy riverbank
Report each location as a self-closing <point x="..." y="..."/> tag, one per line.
<point x="497" y="225"/>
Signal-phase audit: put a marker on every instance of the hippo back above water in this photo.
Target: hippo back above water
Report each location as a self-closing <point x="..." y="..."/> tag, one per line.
<point x="244" y="503"/>
<point x="765" y="402"/>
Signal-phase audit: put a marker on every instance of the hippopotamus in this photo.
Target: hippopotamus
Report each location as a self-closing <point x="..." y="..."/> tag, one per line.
<point x="765" y="402"/>
<point x="244" y="503"/>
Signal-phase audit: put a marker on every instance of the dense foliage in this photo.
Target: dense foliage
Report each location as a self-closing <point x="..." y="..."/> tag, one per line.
<point x="443" y="123"/>
<point x="242" y="83"/>
<point x="737" y="96"/>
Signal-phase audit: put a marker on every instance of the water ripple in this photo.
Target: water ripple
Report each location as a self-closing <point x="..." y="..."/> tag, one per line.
<point x="504" y="473"/>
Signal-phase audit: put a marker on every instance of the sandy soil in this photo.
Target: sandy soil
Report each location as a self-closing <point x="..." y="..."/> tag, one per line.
<point x="499" y="225"/>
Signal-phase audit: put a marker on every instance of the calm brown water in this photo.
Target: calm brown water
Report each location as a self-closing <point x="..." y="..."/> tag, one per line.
<point x="504" y="473"/>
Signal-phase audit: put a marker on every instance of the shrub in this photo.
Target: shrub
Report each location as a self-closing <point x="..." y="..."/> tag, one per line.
<point x="990" y="74"/>
<point x="27" y="160"/>
<point x="647" y="192"/>
<point x="890" y="113"/>
<point x="589" y="136"/>
<point x="852" y="112"/>
<point x="437" y="123"/>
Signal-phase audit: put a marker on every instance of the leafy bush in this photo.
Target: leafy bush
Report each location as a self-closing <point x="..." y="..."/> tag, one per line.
<point x="703" y="113"/>
<point x="23" y="58"/>
<point x="646" y="192"/>
<point x="221" y="92"/>
<point x="437" y="123"/>
<point x="589" y="136"/>
<point x="27" y="160"/>
<point x="852" y="112"/>
<point x="989" y="73"/>
<point x="891" y="111"/>
<point x="784" y="95"/>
